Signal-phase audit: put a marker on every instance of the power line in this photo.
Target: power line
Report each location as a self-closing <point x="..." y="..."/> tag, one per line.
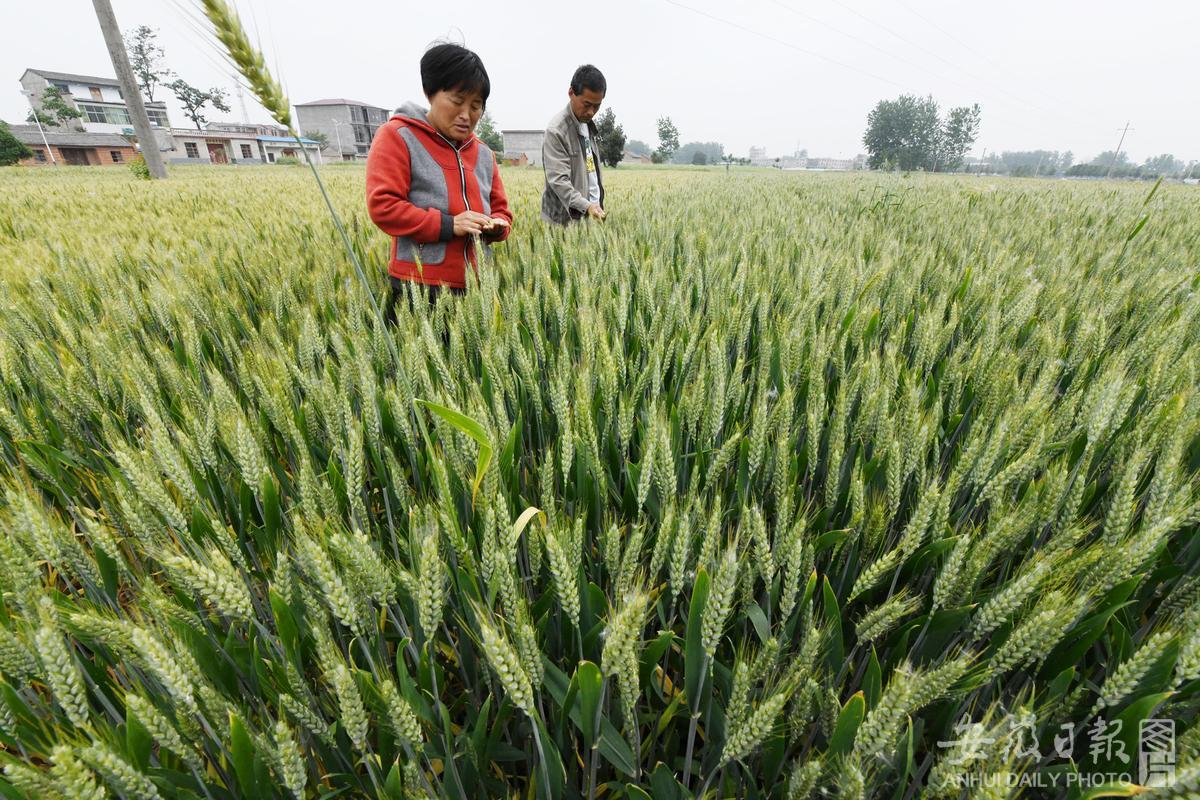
<point x="903" y="60"/>
<point x="787" y="44"/>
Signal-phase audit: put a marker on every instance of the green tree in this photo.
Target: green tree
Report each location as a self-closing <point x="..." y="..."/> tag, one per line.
<point x="54" y="110"/>
<point x="146" y="58"/>
<point x="638" y="147"/>
<point x="11" y="149"/>
<point x="908" y="133"/>
<point x="668" y="138"/>
<point x="612" y="138"/>
<point x="686" y="154"/>
<point x="1165" y="164"/>
<point x="320" y="137"/>
<point x="956" y="135"/>
<point x="699" y="158"/>
<point x="194" y="100"/>
<point x="486" y="132"/>
<point x="1111" y="157"/>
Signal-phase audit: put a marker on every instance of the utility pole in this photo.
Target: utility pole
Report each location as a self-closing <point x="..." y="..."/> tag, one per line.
<point x="130" y="88"/>
<point x="1117" y="154"/>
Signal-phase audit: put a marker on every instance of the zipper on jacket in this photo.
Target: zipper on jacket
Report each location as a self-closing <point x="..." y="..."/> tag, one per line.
<point x="462" y="177"/>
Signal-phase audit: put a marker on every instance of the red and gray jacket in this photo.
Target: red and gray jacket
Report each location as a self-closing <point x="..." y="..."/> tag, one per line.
<point x="417" y="181"/>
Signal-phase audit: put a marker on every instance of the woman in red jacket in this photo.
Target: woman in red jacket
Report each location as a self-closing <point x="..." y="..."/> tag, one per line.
<point x="431" y="184"/>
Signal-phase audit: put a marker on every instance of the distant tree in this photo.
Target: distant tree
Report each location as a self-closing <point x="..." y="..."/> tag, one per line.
<point x="699" y="158"/>
<point x="1066" y="160"/>
<point x="639" y="147"/>
<point x="713" y="152"/>
<point x="11" y="149"/>
<point x="668" y="138"/>
<point x="146" y="58"/>
<point x="194" y="100"/>
<point x="1165" y="164"/>
<point x="54" y="110"/>
<point x="487" y="133"/>
<point x="320" y="137"/>
<point x="907" y="133"/>
<point x="956" y="135"/>
<point x="657" y="158"/>
<point x="612" y="138"/>
<point x="1107" y="157"/>
<point x="1022" y="163"/>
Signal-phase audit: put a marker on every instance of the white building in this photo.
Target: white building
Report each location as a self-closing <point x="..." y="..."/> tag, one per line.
<point x="235" y="147"/>
<point x="528" y="142"/>
<point x="190" y="146"/>
<point x="99" y="99"/>
<point x="274" y="148"/>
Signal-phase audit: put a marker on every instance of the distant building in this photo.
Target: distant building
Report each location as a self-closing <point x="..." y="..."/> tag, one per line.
<point x="239" y="127"/>
<point x="756" y="152"/>
<point x="528" y="142"/>
<point x="73" y="148"/>
<point x="348" y="125"/>
<point x="514" y="159"/>
<point x="211" y="146"/>
<point x="841" y="164"/>
<point x="99" y="99"/>
<point x="635" y="158"/>
<point x="274" y="148"/>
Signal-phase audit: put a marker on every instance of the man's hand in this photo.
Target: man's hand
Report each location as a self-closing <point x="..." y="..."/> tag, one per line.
<point x="596" y="212"/>
<point x="469" y="222"/>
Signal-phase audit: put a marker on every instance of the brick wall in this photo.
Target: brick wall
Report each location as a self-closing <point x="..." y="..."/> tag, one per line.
<point x="96" y="156"/>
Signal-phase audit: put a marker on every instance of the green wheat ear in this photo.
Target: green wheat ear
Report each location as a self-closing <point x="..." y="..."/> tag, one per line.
<point x="248" y="59"/>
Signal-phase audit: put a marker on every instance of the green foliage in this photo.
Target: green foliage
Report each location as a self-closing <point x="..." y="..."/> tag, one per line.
<point x="12" y="150"/>
<point x="756" y="519"/>
<point x="668" y="138"/>
<point x="139" y="168"/>
<point x="713" y="152"/>
<point x="612" y="138"/>
<point x="908" y="134"/>
<point x="54" y="109"/>
<point x="320" y="137"/>
<point x="487" y="133"/>
<point x="194" y="100"/>
<point x="146" y="59"/>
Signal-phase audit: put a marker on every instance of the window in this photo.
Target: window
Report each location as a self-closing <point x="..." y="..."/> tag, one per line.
<point x="108" y="115"/>
<point x="192" y="150"/>
<point x="271" y="157"/>
<point x="39" y="155"/>
<point x="95" y="90"/>
<point x="115" y="155"/>
<point x="157" y="117"/>
<point x="246" y="151"/>
<point x="62" y="87"/>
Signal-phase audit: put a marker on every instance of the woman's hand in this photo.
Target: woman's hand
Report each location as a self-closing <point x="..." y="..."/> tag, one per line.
<point x="471" y="222"/>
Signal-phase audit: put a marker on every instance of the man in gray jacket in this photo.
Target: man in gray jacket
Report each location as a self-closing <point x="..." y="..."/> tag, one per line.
<point x="571" y="155"/>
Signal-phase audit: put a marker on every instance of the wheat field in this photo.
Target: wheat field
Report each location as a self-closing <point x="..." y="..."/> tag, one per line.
<point x="771" y="486"/>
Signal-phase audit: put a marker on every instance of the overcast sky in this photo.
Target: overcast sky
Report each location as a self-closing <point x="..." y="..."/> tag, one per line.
<point x="777" y="73"/>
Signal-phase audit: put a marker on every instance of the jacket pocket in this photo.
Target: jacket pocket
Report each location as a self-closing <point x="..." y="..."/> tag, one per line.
<point x="427" y="254"/>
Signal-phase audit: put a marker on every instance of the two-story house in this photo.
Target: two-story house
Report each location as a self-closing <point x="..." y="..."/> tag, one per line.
<point x="99" y="99"/>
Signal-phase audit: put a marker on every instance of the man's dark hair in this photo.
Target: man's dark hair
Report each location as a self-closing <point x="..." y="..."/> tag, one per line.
<point x="588" y="77"/>
<point x="452" y="66"/>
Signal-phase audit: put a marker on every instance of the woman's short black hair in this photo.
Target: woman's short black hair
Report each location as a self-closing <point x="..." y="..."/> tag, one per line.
<point x="588" y="77"/>
<point x="452" y="66"/>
